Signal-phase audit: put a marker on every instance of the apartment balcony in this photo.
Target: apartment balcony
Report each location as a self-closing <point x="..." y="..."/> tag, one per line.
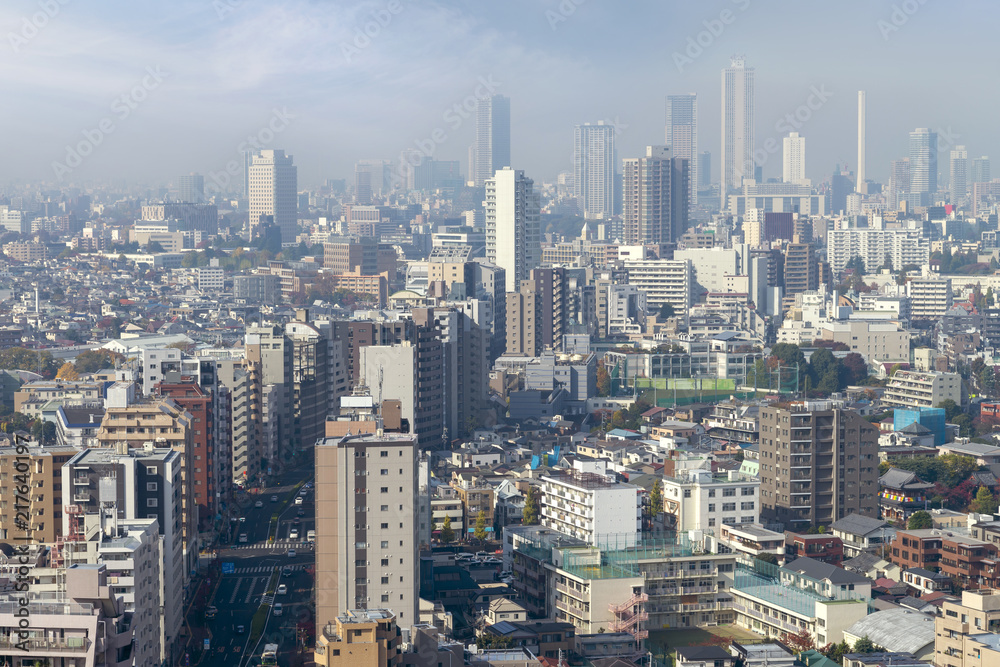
<point x="61" y="646"/>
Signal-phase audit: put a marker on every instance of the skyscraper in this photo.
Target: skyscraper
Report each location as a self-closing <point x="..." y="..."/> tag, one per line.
<point x="513" y="209"/>
<point x="492" y="147"/>
<point x="682" y="136"/>
<point x="372" y="178"/>
<point x="958" y="171"/>
<point x="737" y="124"/>
<point x="594" y="169"/>
<point x="704" y="170"/>
<point x="191" y="188"/>
<point x="793" y="166"/>
<point x="899" y="182"/>
<point x="273" y="192"/>
<point x="862" y="119"/>
<point x="655" y="197"/>
<point x="923" y="167"/>
<point x="980" y="172"/>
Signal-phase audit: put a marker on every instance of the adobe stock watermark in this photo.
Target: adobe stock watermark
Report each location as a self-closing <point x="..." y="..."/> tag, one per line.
<point x="454" y="116"/>
<point x="224" y="8"/>
<point x="277" y="124"/>
<point x="33" y="24"/>
<point x="792" y="122"/>
<point x="562" y="12"/>
<point x="900" y="16"/>
<point x="121" y="108"/>
<point x="372" y="28"/>
<point x="704" y="39"/>
<point x="946" y="139"/>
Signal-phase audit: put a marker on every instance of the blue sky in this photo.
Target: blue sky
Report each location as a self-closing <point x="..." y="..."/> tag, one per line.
<point x="225" y="65"/>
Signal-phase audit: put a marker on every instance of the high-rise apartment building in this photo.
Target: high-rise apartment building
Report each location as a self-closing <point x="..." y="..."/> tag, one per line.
<point x="537" y="313"/>
<point x="272" y="352"/>
<point x="958" y="164"/>
<point x="655" y="191"/>
<point x="664" y="281"/>
<point x="818" y="464"/>
<point x="899" y="182"/>
<point x="737" y="124"/>
<point x="793" y="165"/>
<point x="681" y="137"/>
<point x="273" y="192"/>
<point x="923" y="167"/>
<point x="191" y="188"/>
<point x="594" y="169"/>
<point x="862" y="138"/>
<point x="491" y="151"/>
<point x="366" y="526"/>
<point x="513" y="235"/>
<point x="980" y="171"/>
<point x="801" y="269"/>
<point x="44" y="504"/>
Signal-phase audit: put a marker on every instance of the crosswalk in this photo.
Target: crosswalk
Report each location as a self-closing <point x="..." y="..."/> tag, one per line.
<point x="263" y="569"/>
<point x="272" y="547"/>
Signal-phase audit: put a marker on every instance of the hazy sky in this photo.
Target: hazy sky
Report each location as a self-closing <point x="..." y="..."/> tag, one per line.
<point x="157" y="89"/>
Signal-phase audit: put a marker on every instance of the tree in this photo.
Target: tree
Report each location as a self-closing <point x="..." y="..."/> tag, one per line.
<point x="799" y="642"/>
<point x="767" y="558"/>
<point x="866" y="645"/>
<point x="855" y="368"/>
<point x="23" y="359"/>
<point x="490" y="640"/>
<point x="857" y="263"/>
<point x="984" y="502"/>
<point x="920" y="520"/>
<point x="836" y="652"/>
<point x="666" y="311"/>
<point x="656" y="499"/>
<point x="68" y="372"/>
<point x="951" y="409"/>
<point x="447" y="532"/>
<point x="480" y="530"/>
<point x="92" y="361"/>
<point x="530" y="508"/>
<point x="603" y="379"/>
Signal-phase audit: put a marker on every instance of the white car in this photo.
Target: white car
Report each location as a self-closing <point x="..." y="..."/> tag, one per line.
<point x="293" y="534"/>
<point x="282" y="589"/>
<point x="291" y="553"/>
<point x="277" y="609"/>
<point x="258" y="504"/>
<point x="298" y="500"/>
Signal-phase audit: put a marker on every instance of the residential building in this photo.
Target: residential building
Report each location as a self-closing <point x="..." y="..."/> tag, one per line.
<point x="738" y="124"/>
<point x="877" y="248"/>
<point x="476" y="496"/>
<point x="595" y="166"/>
<point x="923" y="166"/>
<point x="655" y="197"/>
<point x="899" y="183"/>
<point x="272" y="353"/>
<point x="358" y="255"/>
<point x="958" y="164"/>
<point x="697" y="499"/>
<point x="513" y="240"/>
<point x="274" y="192"/>
<point x="965" y="630"/>
<point x="585" y="505"/>
<point x="366" y="526"/>
<point x="69" y="627"/>
<point x="537" y="314"/>
<point x="875" y="341"/>
<point x="663" y="281"/>
<point x="44" y="504"/>
<point x="930" y="298"/>
<point x="825" y="548"/>
<point x="681" y="138"/>
<point x="257" y="289"/>
<point x="793" y="159"/>
<point x="861" y="533"/>
<point x="913" y="389"/>
<point x="359" y="637"/>
<point x="818" y="464"/>
<point x="970" y="561"/>
<point x="491" y="152"/>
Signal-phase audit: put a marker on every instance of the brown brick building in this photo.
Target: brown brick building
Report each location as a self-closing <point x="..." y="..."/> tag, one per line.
<point x="970" y="561"/>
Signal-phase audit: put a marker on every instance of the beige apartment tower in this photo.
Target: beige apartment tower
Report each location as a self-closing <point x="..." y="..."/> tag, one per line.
<point x="366" y="526"/>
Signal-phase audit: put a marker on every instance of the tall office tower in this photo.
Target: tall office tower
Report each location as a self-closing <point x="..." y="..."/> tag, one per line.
<point x="594" y="169"/>
<point x="191" y="188"/>
<point x="247" y="163"/>
<point x="492" y="147"/>
<point x="513" y="235"/>
<point x="682" y="136"/>
<point x="367" y="526"/>
<point x="655" y="197"/>
<point x="841" y="185"/>
<point x="862" y="119"/>
<point x="817" y="465"/>
<point x="980" y="172"/>
<point x="899" y="182"/>
<point x="704" y="170"/>
<point x="737" y="124"/>
<point x="923" y="167"/>
<point x="372" y="180"/>
<point x="959" y="171"/>
<point x="793" y="164"/>
<point x="273" y="192"/>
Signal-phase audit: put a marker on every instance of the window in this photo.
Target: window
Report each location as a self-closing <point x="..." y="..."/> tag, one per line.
<point x="728" y="507"/>
<point x="152" y="502"/>
<point x="384" y="489"/>
<point x="711" y="507"/>
<point x="384" y="526"/>
<point x="385" y="544"/>
<point x="385" y="597"/>
<point x="747" y="506"/>
<point x="385" y="580"/>
<point x="687" y="493"/>
<point x="728" y="493"/>
<point x="384" y="508"/>
<point x="385" y="471"/>
<point x="384" y="454"/>
<point x="385" y="562"/>
<point x="150" y="470"/>
<point x="151" y="486"/>
<point x="711" y="493"/>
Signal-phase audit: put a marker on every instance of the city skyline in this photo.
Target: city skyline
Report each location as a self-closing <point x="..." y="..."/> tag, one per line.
<point x="212" y="85"/>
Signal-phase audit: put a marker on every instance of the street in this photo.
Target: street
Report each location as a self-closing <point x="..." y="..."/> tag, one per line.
<point x="246" y="570"/>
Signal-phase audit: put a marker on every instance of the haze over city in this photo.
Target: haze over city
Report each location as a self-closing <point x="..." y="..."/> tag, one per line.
<point x="228" y="64"/>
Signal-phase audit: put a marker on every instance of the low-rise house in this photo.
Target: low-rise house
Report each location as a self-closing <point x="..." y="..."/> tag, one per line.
<point x="861" y="533"/>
